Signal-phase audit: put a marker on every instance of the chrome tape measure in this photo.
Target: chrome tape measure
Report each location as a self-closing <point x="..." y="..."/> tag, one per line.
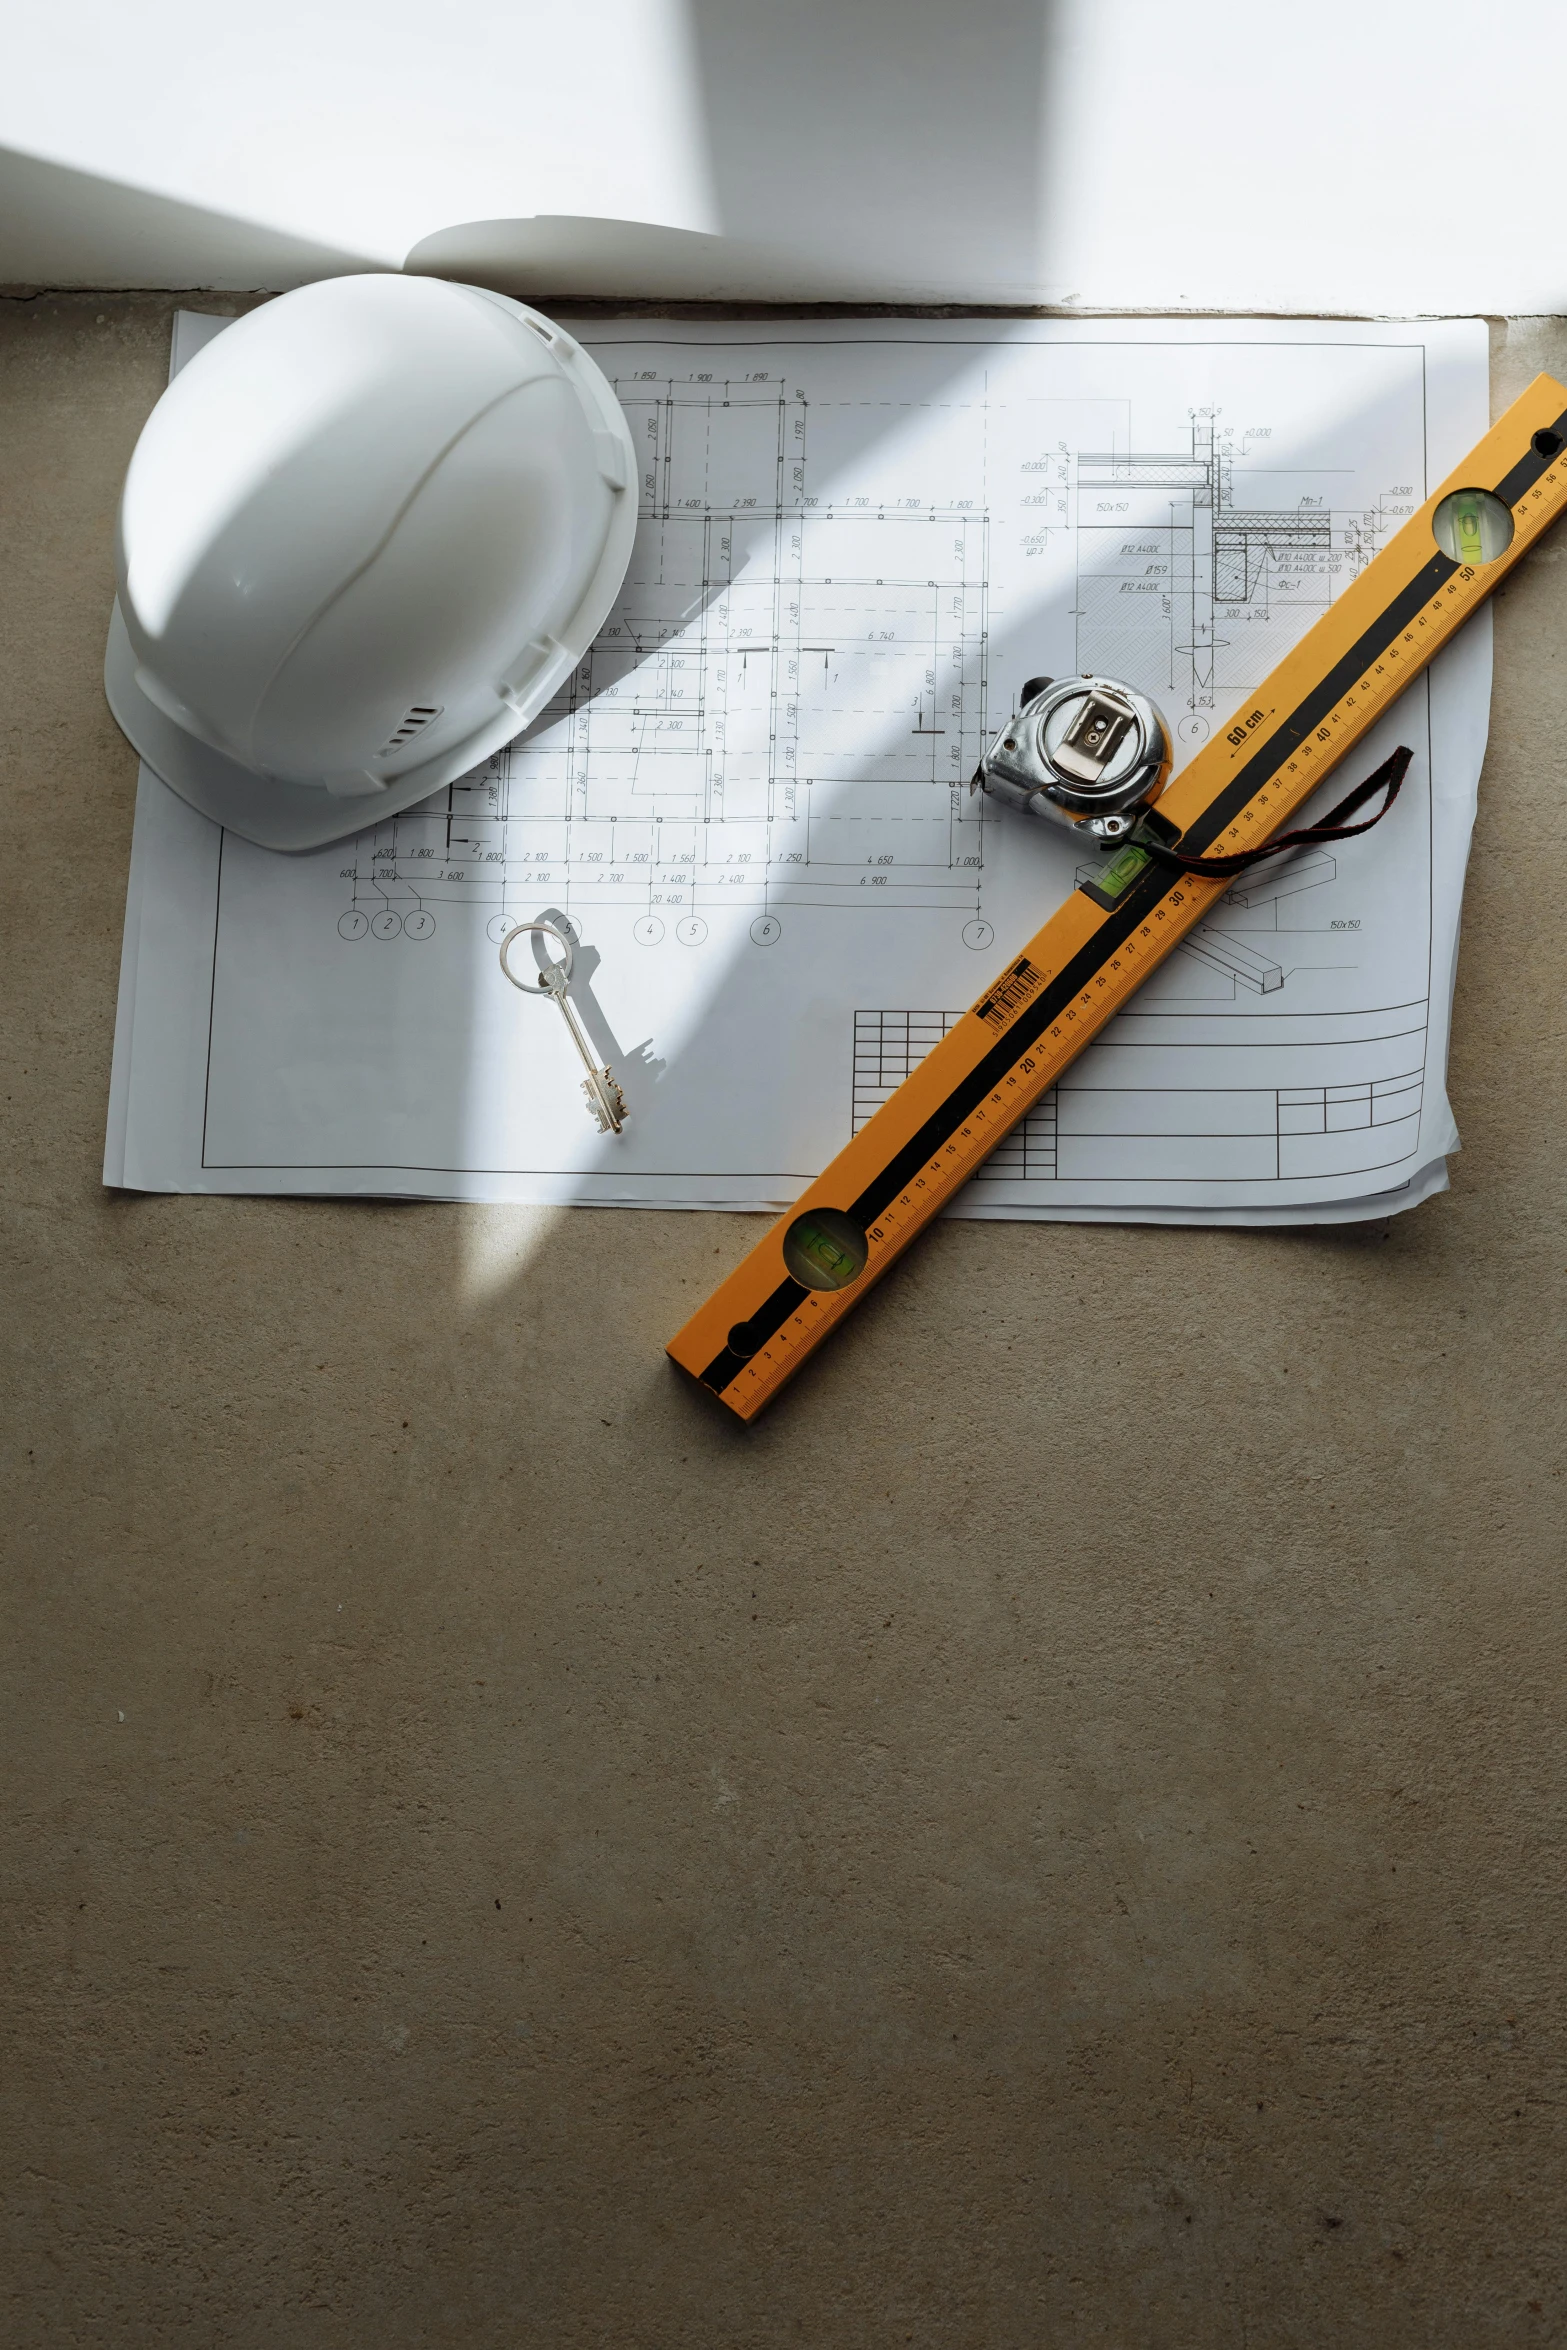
<point x="1085" y="751"/>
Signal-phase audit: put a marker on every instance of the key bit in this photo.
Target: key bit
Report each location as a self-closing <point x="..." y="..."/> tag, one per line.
<point x="605" y="1098"/>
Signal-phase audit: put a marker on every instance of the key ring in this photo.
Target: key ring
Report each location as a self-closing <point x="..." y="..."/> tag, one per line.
<point x="550" y="931"/>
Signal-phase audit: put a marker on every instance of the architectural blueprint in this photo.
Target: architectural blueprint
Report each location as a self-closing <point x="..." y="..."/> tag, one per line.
<point x="751" y="803"/>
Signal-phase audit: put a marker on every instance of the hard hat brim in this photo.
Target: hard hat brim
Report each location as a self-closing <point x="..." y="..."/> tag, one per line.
<point x="274" y="814"/>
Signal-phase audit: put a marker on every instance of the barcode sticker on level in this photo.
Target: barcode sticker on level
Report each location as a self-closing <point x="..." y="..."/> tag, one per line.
<point x="1009" y="995"/>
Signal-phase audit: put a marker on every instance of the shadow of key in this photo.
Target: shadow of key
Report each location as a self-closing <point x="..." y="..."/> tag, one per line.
<point x="639" y="1063"/>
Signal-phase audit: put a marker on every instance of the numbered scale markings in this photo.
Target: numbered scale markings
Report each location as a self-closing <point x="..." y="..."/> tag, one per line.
<point x="965" y="1097"/>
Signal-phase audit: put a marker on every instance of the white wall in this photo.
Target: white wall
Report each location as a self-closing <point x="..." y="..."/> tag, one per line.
<point x="1105" y="153"/>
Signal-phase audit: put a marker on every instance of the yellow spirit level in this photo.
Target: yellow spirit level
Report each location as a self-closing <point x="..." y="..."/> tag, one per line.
<point x="946" y="1118"/>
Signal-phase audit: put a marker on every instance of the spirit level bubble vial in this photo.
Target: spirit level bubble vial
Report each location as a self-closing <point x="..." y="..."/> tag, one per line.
<point x="1092" y="754"/>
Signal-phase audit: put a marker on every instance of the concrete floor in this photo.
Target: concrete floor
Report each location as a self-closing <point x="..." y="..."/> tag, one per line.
<point x="1055" y="1838"/>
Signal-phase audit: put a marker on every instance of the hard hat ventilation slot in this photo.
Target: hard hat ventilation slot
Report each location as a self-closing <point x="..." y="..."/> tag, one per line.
<point x="421" y="715"/>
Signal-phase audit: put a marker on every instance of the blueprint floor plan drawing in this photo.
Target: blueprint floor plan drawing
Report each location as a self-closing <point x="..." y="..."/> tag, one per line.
<point x="774" y="653"/>
<point x="751" y="801"/>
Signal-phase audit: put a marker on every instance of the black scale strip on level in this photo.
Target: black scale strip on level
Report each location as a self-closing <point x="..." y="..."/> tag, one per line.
<point x="1141" y="899"/>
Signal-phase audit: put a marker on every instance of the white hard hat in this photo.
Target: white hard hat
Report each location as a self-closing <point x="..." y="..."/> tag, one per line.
<point x="366" y="534"/>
